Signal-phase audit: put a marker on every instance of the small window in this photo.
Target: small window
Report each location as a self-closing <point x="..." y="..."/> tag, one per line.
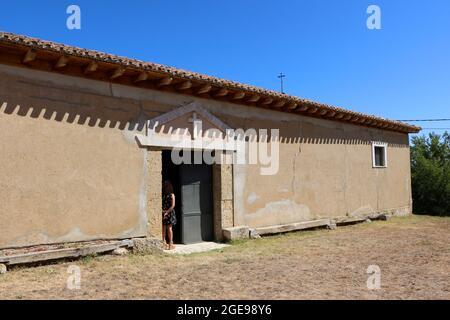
<point x="379" y="155"/>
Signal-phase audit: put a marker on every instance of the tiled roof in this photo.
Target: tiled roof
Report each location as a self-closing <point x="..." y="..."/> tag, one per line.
<point x="302" y="105"/>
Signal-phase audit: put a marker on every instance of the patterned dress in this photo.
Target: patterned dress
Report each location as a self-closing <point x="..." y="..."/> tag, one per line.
<point x="170" y="218"/>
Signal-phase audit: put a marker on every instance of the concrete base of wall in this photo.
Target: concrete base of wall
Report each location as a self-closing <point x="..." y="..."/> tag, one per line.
<point x="235" y="233"/>
<point x="385" y="215"/>
<point x="293" y="226"/>
<point x="245" y="232"/>
<point x="42" y="254"/>
<point x="77" y="250"/>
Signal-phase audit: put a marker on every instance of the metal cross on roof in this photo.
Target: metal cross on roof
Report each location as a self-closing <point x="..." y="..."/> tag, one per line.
<point x="281" y="76"/>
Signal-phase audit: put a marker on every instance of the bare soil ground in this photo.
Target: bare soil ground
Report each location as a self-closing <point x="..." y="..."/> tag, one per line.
<point x="413" y="254"/>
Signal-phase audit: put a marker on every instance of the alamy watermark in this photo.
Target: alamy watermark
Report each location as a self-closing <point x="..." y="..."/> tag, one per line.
<point x="73" y="22"/>
<point x="235" y="146"/>
<point x="374" y="279"/>
<point x="74" y="278"/>
<point x="374" y="20"/>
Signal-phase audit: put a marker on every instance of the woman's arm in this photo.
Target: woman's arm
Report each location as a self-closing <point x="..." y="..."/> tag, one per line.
<point x="172" y="205"/>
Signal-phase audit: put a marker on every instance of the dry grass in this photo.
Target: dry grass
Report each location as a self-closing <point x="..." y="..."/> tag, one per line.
<point x="413" y="254"/>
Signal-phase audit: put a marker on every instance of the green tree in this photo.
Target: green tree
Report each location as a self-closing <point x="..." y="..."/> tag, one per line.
<point x="430" y="173"/>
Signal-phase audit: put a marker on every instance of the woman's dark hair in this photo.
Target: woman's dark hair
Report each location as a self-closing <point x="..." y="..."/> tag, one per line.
<point x="167" y="187"/>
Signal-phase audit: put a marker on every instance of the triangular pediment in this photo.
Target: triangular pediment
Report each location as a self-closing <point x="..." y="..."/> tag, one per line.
<point x="185" y="120"/>
<point x="188" y="127"/>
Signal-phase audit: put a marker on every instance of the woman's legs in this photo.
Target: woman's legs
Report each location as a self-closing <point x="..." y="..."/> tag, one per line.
<point x="170" y="231"/>
<point x="164" y="236"/>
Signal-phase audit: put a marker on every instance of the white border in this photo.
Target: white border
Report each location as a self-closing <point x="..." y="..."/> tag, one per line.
<point x="383" y="145"/>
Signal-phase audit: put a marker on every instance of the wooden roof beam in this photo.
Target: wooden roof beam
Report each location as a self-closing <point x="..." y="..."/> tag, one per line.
<point x="221" y="93"/>
<point x="185" y="85"/>
<point x="62" y="62"/>
<point x="165" y="81"/>
<point x="92" y="67"/>
<point x="254" y="98"/>
<point x="267" y="101"/>
<point x="143" y="76"/>
<point x="29" y="56"/>
<point x="303" y="108"/>
<point x="239" y="95"/>
<point x="279" y="104"/>
<point x="118" y="73"/>
<point x="205" y="89"/>
<point x="292" y="106"/>
<point x="347" y="117"/>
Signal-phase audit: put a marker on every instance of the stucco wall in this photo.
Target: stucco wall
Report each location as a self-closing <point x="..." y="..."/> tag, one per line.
<point x="325" y="172"/>
<point x="71" y="169"/>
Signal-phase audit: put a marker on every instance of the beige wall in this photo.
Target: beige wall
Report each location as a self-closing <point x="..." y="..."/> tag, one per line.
<point x="65" y="174"/>
<point x="327" y="172"/>
<point x="71" y="169"/>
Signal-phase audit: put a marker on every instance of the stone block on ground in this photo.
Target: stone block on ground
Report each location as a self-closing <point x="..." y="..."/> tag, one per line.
<point x="332" y="225"/>
<point x="254" y="234"/>
<point x="120" y="252"/>
<point x="293" y="227"/>
<point x="3" y="269"/>
<point x="147" y="246"/>
<point x="236" y="233"/>
<point x="384" y="217"/>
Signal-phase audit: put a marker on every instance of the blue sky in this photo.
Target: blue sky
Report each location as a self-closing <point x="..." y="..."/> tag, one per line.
<point x="323" y="46"/>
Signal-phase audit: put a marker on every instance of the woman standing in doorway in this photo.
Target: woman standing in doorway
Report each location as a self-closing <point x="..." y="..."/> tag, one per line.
<point x="168" y="211"/>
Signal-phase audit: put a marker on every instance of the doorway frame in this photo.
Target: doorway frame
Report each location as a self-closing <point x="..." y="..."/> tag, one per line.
<point x="222" y="174"/>
<point x="222" y="189"/>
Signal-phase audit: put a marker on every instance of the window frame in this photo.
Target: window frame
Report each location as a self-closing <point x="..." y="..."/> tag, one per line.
<point x="384" y="145"/>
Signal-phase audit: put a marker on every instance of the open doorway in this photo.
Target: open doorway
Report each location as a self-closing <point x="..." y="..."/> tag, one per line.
<point x="170" y="171"/>
<point x="193" y="199"/>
